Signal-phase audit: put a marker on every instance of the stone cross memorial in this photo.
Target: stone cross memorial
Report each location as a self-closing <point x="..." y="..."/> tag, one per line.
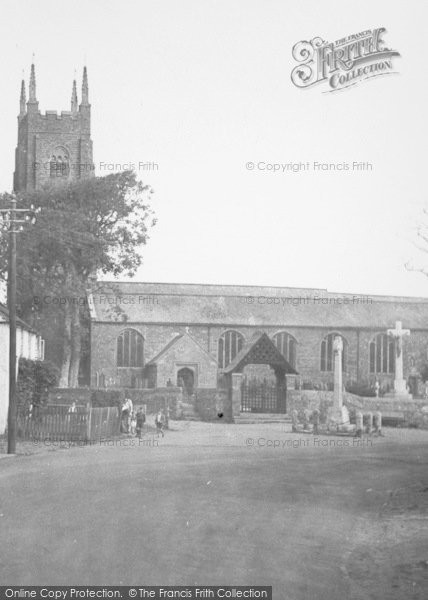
<point x="338" y="396"/>
<point x="339" y="416"/>
<point x="397" y="334"/>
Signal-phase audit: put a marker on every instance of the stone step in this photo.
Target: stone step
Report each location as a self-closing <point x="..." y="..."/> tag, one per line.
<point x="260" y="415"/>
<point x="252" y="422"/>
<point x="189" y="414"/>
<point x="254" y="418"/>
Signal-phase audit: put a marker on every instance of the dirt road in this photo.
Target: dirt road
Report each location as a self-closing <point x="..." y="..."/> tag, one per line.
<point x="219" y="504"/>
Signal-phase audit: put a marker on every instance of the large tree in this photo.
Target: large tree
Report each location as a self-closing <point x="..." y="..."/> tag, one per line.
<point x="95" y="225"/>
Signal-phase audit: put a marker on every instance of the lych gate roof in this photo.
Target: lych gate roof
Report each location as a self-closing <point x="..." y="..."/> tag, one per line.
<point x="230" y="306"/>
<point x="260" y="350"/>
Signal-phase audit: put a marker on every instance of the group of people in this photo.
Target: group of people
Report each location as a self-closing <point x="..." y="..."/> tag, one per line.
<point x="132" y="422"/>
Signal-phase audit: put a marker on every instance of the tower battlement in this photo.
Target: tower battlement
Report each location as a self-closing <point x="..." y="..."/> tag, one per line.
<point x="59" y="115"/>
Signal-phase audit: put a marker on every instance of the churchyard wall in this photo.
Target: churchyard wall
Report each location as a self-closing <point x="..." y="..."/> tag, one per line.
<point x="319" y="400"/>
<point x="213" y="405"/>
<point x="405" y="413"/>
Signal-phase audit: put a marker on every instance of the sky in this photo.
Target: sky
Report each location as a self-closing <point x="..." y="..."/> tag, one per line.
<point x="203" y="87"/>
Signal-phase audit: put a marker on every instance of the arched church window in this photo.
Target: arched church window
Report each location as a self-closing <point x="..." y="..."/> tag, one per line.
<point x="327" y="352"/>
<point x="382" y="354"/>
<point x="130" y="349"/>
<point x="59" y="165"/>
<point x="229" y="344"/>
<point x="287" y="345"/>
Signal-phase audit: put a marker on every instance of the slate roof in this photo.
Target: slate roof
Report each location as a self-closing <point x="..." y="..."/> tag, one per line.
<point x="230" y="306"/>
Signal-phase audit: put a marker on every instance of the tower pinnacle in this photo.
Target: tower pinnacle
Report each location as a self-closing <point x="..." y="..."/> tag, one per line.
<point x="32" y="92"/>
<point x="85" y="88"/>
<point x="74" y="98"/>
<point x="22" y="99"/>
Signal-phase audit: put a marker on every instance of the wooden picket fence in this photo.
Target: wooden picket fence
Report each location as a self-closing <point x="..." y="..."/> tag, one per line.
<point x="103" y="422"/>
<point x="55" y="423"/>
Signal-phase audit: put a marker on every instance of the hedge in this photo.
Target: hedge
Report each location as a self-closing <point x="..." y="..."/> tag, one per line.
<point x="35" y="379"/>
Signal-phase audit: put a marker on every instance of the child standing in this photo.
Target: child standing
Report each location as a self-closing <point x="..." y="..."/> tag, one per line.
<point x="159" y="422"/>
<point x="133" y="424"/>
<point x="141" y="419"/>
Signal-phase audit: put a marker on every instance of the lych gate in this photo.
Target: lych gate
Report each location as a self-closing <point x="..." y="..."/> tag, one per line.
<point x="261" y="396"/>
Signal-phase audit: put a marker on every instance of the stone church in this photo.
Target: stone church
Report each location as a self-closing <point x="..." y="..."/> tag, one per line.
<point x="152" y="335"/>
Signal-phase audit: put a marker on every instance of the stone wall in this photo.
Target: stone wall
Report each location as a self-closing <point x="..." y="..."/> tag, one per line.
<point x="308" y="399"/>
<point x="213" y="405"/>
<point x="39" y="135"/>
<point x="312" y="399"/>
<point x="156" y="399"/>
<point x="408" y="413"/>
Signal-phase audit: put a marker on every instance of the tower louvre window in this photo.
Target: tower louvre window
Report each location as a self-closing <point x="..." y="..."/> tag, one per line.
<point x="59" y="166"/>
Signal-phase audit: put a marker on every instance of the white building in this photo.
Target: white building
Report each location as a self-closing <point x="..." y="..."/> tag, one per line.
<point x="28" y="345"/>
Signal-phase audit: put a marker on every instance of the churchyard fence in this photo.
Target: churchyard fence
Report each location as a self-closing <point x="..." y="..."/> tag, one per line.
<point x="54" y="422"/>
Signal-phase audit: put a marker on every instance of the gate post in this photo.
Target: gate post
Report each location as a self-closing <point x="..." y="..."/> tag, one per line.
<point x="236" y="394"/>
<point x="88" y="421"/>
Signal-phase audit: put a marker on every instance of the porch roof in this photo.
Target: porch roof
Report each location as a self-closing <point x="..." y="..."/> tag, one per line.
<point x="187" y="338"/>
<point x="164" y="350"/>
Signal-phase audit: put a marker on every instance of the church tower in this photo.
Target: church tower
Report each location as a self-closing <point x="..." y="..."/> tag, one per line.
<point x="52" y="148"/>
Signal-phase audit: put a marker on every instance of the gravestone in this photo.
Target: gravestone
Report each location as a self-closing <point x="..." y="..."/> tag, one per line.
<point x="296" y="426"/>
<point x="359" y="424"/>
<point x="377" y="423"/>
<point x="369" y="422"/>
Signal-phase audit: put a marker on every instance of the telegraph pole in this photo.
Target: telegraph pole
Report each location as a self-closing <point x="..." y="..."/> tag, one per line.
<point x="14" y="225"/>
<point x="11" y="305"/>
